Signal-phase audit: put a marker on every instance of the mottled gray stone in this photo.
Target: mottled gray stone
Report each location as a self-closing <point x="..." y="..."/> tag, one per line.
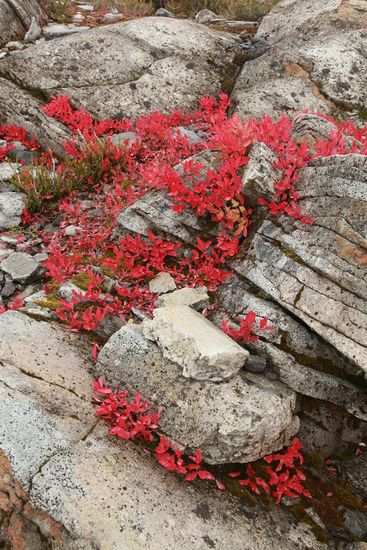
<point x="316" y="61"/>
<point x="20" y="266"/>
<point x="44" y="405"/>
<point x="162" y="283"/>
<point x="317" y="272"/>
<point x="260" y="175"/>
<point x="194" y="297"/>
<point x="123" y="68"/>
<point x="234" y="421"/>
<point x="11" y="208"/>
<point x="133" y="503"/>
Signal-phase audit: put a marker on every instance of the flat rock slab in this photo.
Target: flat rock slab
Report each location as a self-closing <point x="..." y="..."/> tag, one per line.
<point x="45" y="389"/>
<point x="21" y="267"/>
<point x="110" y="495"/>
<point x="238" y="420"/>
<point x="191" y="341"/>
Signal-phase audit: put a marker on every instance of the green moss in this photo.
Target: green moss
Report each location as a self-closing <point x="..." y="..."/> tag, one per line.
<point x="313" y="460"/>
<point x="362" y="113"/>
<point x="51" y="302"/>
<point x="81" y="280"/>
<point x="300" y="513"/>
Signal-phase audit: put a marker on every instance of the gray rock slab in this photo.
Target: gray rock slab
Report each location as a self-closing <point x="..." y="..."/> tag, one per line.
<point x="45" y="404"/>
<point x="123" y="68"/>
<point x="21" y="267"/>
<point x="133" y="503"/>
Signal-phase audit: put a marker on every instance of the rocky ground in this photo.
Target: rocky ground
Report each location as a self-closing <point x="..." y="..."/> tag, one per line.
<point x="64" y="483"/>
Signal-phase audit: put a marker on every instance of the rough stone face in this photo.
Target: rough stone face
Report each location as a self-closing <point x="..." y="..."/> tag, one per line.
<point x="20" y="266"/>
<point x="235" y="421"/>
<point x="194" y="343"/>
<point x="316" y="62"/>
<point x="355" y="471"/>
<point x="133" y="503"/>
<point x="123" y="68"/>
<point x="11" y="208"/>
<point x="295" y="355"/>
<point x="317" y="272"/>
<point x="260" y="175"/>
<point x="14" y="102"/>
<point x="45" y="404"/>
<point x="15" y="18"/>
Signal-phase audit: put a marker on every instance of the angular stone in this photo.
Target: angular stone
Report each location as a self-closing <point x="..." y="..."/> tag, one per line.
<point x="187" y="338"/>
<point x="234" y="421"/>
<point x="194" y="297"/>
<point x="162" y="283"/>
<point x="44" y="404"/>
<point x="20" y="266"/>
<point x="11" y="208"/>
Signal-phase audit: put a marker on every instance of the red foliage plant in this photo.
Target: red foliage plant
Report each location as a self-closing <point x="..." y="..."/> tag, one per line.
<point x="114" y="177"/>
<point x="136" y="421"/>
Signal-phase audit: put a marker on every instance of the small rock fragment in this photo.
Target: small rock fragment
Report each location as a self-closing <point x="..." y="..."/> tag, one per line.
<point x="206" y="16"/>
<point x="124" y="138"/>
<point x="161" y="12"/>
<point x="255" y="364"/>
<point x="162" y="283"/>
<point x="11" y="208"/>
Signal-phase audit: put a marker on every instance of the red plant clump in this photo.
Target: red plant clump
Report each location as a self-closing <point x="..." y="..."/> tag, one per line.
<point x="114" y="177"/>
<point x="136" y="421"/>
